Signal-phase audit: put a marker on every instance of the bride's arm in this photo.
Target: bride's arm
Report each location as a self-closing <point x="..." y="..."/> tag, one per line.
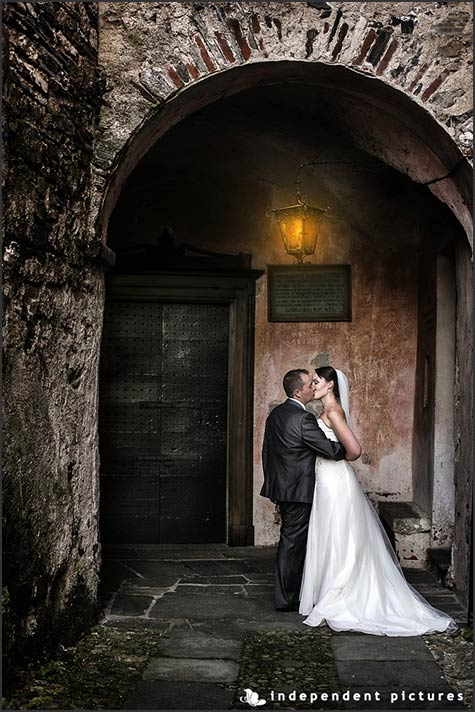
<point x="345" y="434"/>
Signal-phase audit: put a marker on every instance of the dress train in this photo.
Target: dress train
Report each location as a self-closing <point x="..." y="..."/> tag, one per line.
<point x="352" y="579"/>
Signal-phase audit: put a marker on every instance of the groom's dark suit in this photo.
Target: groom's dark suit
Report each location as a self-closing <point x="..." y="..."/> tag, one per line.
<point x="292" y="442"/>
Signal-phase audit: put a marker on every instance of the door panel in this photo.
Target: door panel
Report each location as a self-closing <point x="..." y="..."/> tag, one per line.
<point x="163" y="422"/>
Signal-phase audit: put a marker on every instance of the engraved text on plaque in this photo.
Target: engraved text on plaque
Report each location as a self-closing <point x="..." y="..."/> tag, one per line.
<point x="309" y="292"/>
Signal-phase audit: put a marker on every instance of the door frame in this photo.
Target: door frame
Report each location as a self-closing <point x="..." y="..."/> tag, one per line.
<point x="237" y="289"/>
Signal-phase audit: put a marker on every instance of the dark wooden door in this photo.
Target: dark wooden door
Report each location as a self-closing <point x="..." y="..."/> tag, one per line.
<point x="162" y="419"/>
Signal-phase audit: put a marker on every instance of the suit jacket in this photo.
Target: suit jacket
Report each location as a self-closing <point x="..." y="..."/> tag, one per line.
<point x="292" y="441"/>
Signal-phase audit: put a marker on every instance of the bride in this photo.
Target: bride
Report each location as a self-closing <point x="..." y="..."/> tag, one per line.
<point x="352" y="579"/>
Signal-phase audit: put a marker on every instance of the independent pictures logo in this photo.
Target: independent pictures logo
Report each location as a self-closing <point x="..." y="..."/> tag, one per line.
<point x="252" y="698"/>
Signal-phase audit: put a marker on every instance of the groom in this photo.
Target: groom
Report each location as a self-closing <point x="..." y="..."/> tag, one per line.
<point x="292" y="442"/>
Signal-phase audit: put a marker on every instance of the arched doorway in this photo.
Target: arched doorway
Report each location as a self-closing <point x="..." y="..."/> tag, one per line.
<point x="378" y="222"/>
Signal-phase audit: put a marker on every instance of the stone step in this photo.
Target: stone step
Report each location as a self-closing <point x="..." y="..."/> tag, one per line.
<point x="409" y="528"/>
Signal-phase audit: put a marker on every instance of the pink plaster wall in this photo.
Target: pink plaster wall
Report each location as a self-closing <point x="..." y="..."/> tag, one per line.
<point x="377" y="351"/>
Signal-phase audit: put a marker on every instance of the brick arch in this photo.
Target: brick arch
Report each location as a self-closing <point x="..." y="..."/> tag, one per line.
<point x="380" y="119"/>
<point x="379" y="64"/>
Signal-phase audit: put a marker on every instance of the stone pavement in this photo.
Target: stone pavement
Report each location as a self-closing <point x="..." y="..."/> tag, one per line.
<point x="211" y="604"/>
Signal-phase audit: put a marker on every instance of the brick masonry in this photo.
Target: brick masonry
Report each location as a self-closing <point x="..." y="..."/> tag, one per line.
<point x="423" y="51"/>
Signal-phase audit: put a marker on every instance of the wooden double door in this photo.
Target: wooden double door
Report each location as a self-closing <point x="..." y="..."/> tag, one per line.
<point x="163" y="421"/>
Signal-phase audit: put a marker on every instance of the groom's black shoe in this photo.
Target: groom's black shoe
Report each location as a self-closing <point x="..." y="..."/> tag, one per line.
<point x="291" y="607"/>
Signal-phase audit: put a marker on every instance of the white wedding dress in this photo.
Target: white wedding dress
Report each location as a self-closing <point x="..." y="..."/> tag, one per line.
<point x="352" y="579"/>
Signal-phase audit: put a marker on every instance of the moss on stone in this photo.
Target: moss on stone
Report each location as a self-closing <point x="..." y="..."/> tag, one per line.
<point x="284" y="661"/>
<point x="454" y="655"/>
<point x="96" y="673"/>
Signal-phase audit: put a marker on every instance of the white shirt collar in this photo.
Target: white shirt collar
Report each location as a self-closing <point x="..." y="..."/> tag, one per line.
<point x="299" y="402"/>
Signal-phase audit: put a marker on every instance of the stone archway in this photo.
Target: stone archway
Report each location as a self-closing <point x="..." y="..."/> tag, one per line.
<point x="380" y="120"/>
<point x="379" y="59"/>
<point x="390" y="114"/>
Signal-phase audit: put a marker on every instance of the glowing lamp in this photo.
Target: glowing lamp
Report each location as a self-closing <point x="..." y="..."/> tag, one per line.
<point x="299" y="227"/>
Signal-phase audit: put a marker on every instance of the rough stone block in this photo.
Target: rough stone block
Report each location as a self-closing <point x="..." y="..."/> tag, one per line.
<point x="412" y="549"/>
<point x="405" y="517"/>
<point x="411" y="527"/>
<point x="191" y="670"/>
<point x="368" y="647"/>
<point x="130" y="605"/>
<point x="177" y="606"/>
<point x="164" y="695"/>
<point x="423" y="673"/>
<point x="199" y="646"/>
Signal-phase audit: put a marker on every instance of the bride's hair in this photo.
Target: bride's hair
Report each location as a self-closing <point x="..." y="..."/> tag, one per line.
<point x="329" y="374"/>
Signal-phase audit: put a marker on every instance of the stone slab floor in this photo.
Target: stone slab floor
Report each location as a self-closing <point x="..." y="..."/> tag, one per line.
<point x="221" y="636"/>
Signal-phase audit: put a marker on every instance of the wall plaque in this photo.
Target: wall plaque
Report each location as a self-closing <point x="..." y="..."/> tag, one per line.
<point x="309" y="292"/>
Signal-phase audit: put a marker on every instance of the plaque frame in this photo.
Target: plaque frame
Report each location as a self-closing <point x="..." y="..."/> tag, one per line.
<point x="274" y="272"/>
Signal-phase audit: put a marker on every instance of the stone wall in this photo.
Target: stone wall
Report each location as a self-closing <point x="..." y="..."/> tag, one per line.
<point x="52" y="290"/>
<point x="462" y="552"/>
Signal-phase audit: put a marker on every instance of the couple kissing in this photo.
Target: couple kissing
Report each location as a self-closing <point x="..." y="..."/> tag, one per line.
<point x="334" y="562"/>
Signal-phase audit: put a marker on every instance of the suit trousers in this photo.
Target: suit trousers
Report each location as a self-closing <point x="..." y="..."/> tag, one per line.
<point x="295" y="517"/>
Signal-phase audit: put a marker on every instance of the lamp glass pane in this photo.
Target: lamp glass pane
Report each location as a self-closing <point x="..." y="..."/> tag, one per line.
<point x="291" y="229"/>
<point x="299" y="226"/>
<point x="310" y="232"/>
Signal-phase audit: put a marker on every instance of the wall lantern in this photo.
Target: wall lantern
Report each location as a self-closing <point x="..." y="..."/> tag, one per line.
<point x="299" y="227"/>
<point x="300" y="224"/>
